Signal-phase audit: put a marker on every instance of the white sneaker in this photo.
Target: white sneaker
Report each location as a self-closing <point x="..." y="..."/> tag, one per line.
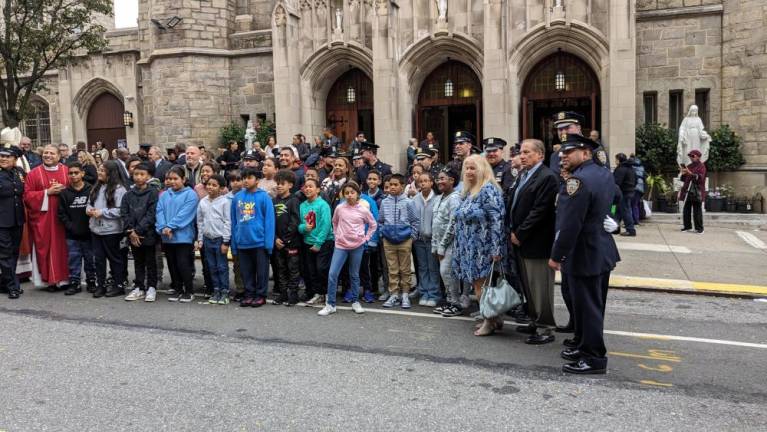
<point x="134" y="295"/>
<point x="422" y="302"/>
<point x="328" y="309"/>
<point x="357" y="308"/>
<point x="431" y="303"/>
<point x="405" y="302"/>
<point x="315" y="300"/>
<point x="392" y="301"/>
<point x="383" y="297"/>
<point x="151" y="295"/>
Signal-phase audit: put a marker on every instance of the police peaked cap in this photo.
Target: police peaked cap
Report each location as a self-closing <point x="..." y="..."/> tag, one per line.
<point x="464" y="136"/>
<point x="493" y="143"/>
<point x="566" y="118"/>
<point x="577" y="141"/>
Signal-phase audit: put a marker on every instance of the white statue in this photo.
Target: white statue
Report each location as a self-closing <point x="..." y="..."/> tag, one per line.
<point x="250" y="134"/>
<point x="339" y="19"/>
<point x="692" y="136"/>
<point x="442" y="8"/>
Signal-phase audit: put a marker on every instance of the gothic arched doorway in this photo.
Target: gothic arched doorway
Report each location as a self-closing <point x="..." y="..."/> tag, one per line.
<point x="349" y="106"/>
<point x="450" y="100"/>
<point x="560" y="82"/>
<point x="105" y="121"/>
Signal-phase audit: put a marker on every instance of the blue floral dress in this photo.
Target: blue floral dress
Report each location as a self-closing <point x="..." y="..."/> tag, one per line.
<point x="478" y="234"/>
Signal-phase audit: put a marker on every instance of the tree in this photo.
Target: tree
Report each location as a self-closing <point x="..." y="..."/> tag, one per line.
<point x="39" y="36"/>
<point x="656" y="147"/>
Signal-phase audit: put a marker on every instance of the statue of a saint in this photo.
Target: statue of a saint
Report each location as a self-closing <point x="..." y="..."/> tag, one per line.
<point x="250" y="134"/>
<point x="339" y="19"/>
<point x="442" y="9"/>
<point x="692" y="136"/>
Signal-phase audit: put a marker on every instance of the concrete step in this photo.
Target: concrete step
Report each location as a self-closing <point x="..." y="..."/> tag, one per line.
<point x="716" y="219"/>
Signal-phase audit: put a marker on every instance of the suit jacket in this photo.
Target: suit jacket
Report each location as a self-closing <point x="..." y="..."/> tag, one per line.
<point x="161" y="169"/>
<point x="533" y="215"/>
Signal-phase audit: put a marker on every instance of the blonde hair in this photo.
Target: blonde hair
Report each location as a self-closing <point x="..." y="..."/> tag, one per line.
<point x="86" y="158"/>
<point x="484" y="175"/>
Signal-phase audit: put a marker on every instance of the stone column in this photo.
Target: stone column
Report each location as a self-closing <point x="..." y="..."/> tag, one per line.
<point x="385" y="89"/>
<point x="496" y="115"/>
<point x="287" y="83"/>
<point x="619" y="123"/>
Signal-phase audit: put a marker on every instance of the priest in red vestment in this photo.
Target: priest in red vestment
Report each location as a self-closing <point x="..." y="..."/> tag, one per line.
<point x="41" y="198"/>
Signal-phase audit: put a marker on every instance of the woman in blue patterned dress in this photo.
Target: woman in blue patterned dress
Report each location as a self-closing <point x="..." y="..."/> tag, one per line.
<point x="478" y="230"/>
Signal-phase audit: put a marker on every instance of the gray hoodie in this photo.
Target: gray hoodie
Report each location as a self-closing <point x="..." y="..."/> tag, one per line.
<point x="110" y="221"/>
<point x="443" y="224"/>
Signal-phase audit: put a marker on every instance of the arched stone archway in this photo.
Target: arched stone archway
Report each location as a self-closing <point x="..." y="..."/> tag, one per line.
<point x="92" y="90"/>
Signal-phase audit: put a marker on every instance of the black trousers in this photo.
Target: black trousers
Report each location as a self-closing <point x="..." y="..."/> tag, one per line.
<point x="370" y="270"/>
<point x="285" y="268"/>
<point x="589" y="297"/>
<point x="107" y="248"/>
<point x="254" y="265"/>
<point x="145" y="267"/>
<point x="10" y="241"/>
<point x="180" y="258"/>
<point x="316" y="266"/>
<point x="568" y="298"/>
<point x="696" y="208"/>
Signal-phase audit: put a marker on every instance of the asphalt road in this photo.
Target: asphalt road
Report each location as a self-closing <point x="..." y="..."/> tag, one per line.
<point x="78" y="363"/>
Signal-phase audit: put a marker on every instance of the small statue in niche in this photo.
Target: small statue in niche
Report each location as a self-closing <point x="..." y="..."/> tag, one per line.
<point x="442" y="9"/>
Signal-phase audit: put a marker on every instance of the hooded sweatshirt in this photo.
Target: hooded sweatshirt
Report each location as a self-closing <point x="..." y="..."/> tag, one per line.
<point x="253" y="225"/>
<point x="110" y="221"/>
<point x="139" y="213"/>
<point x="176" y="210"/>
<point x="213" y="218"/>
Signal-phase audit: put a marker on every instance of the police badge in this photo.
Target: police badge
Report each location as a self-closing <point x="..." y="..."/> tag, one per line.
<point x="561" y="115"/>
<point x="572" y="186"/>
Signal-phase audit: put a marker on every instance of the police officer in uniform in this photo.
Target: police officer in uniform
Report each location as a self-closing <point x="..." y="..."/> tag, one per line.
<point x="11" y="219"/>
<point x="369" y="153"/>
<point x="584" y="252"/>
<point x="569" y="122"/>
<point x="501" y="167"/>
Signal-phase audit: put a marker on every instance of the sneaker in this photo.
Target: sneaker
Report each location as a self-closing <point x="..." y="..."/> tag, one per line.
<point x="328" y="309"/>
<point x="439" y="309"/>
<point x="134" y="295"/>
<point x="369" y="297"/>
<point x="172" y="292"/>
<point x="317" y="299"/>
<point x="392" y="301"/>
<point x="348" y="297"/>
<point x="151" y="295"/>
<point x="186" y="298"/>
<point x="430" y="303"/>
<point x="174" y="297"/>
<point x="422" y="302"/>
<point x="246" y="302"/>
<point x="223" y="299"/>
<point x="357" y="308"/>
<point x="280" y="300"/>
<point x="214" y="298"/>
<point x="698" y="232"/>
<point x="384" y="297"/>
<point x="685" y="229"/>
<point x="452" y="311"/>
<point x="405" y="302"/>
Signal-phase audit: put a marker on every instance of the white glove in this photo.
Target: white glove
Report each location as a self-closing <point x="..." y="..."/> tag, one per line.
<point x="610" y="225"/>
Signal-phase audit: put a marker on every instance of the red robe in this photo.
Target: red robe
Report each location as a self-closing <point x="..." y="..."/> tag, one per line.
<point x="45" y="229"/>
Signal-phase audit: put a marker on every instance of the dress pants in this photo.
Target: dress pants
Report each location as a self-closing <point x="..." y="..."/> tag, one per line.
<point x="589" y="296"/>
<point x="10" y="240"/>
<point x="696" y="208"/>
<point x="538" y="282"/>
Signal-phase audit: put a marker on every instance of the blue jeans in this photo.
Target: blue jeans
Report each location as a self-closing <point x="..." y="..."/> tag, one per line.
<point x="428" y="270"/>
<point x="217" y="263"/>
<point x="625" y="211"/>
<point x="81" y="253"/>
<point x="337" y="264"/>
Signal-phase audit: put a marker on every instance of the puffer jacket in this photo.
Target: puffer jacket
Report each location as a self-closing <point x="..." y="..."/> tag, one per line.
<point x="443" y="222"/>
<point x="399" y="210"/>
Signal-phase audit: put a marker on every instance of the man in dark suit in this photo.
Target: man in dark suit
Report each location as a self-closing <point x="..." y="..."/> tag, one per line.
<point x="161" y="166"/>
<point x="532" y="218"/>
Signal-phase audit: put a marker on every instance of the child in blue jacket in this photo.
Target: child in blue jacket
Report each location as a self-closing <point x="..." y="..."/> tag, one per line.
<point x="252" y="237"/>
<point x="176" y="211"/>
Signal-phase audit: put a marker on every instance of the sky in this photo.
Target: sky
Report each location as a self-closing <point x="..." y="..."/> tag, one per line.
<point x="126" y="13"/>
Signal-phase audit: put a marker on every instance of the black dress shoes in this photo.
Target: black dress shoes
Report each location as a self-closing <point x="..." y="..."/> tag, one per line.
<point x="570" y="343"/>
<point x="569" y="328"/>
<point x="571" y="354"/>
<point x="540" y="339"/>
<point x="582" y="367"/>
<point x="528" y="329"/>
<point x="73" y="289"/>
<point x="117" y="292"/>
<point x="13" y="295"/>
<point x="99" y="293"/>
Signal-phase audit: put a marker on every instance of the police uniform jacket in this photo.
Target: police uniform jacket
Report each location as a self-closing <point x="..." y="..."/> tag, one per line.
<point x="11" y="198"/>
<point x="503" y="174"/>
<point x="362" y="172"/>
<point x="581" y="244"/>
<point x="598" y="155"/>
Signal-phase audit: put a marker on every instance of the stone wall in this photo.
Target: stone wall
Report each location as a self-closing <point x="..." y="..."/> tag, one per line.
<point x="647" y="5"/>
<point x="252" y="86"/>
<point x="680" y="53"/>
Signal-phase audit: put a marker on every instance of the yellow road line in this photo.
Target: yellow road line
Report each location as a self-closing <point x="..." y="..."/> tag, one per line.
<point x="673" y="359"/>
<point x="656" y="383"/>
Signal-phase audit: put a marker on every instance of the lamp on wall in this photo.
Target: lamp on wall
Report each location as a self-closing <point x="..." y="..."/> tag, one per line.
<point x="128" y="119"/>
<point x="351" y="95"/>
<point x="448" y="88"/>
<point x="559" y="81"/>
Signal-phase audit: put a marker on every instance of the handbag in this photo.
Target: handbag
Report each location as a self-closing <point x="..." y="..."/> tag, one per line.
<point x="396" y="233"/>
<point x="499" y="298"/>
<point x="693" y="192"/>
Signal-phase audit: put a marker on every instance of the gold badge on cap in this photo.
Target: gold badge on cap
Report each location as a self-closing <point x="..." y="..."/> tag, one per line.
<point x="458" y="134"/>
<point x="573" y="185"/>
<point x="561" y="115"/>
<point x="490" y="141"/>
<point x="563" y="137"/>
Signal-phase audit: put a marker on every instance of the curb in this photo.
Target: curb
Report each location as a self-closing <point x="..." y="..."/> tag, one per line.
<point x="681" y="286"/>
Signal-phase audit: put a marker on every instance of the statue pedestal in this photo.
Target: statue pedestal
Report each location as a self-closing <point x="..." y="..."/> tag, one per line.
<point x="441" y="26"/>
<point x="338" y="34"/>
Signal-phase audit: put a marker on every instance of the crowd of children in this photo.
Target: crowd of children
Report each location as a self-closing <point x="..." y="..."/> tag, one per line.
<point x="326" y="235"/>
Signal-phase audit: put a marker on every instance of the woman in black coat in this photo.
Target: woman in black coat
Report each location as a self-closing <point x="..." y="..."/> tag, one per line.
<point x="231" y="158"/>
<point x="89" y="167"/>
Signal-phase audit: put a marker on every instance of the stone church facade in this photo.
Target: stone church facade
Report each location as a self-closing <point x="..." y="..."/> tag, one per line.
<point x="397" y="69"/>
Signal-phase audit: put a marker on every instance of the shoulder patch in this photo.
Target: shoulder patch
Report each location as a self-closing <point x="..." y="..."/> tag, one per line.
<point x="602" y="156"/>
<point x="573" y="185"/>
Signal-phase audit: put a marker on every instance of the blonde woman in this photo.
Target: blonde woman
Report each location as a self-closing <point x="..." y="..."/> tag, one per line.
<point x="478" y="230"/>
<point x="89" y="167"/>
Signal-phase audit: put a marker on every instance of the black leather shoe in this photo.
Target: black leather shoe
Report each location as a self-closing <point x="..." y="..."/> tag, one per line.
<point x="628" y="234"/>
<point x="117" y="292"/>
<point x="13" y="295"/>
<point x="528" y="329"/>
<point x="582" y="367"/>
<point x="569" y="328"/>
<point x="91" y="287"/>
<point x="570" y="343"/>
<point x="99" y="293"/>
<point x="51" y="288"/>
<point x="73" y="289"/>
<point x="539" y="339"/>
<point x="571" y="354"/>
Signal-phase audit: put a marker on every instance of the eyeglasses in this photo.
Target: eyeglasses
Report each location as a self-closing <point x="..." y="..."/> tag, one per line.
<point x="74" y="172"/>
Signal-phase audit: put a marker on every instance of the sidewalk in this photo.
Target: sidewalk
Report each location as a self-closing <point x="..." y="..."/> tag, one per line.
<point x="728" y="261"/>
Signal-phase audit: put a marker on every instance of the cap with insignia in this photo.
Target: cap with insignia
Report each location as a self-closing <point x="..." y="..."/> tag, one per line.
<point x="250" y="155"/>
<point x="11" y="151"/>
<point x="576" y="141"/>
<point x="422" y="154"/>
<point x="356" y="156"/>
<point x="464" y="136"/>
<point x="493" y="143"/>
<point x="367" y="145"/>
<point x="566" y="118"/>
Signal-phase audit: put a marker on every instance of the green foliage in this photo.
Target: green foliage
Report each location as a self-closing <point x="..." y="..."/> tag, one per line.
<point x="40" y="36"/>
<point x="657" y="185"/>
<point x="265" y="129"/>
<point x="656" y="147"/>
<point x="724" y="153"/>
<point x="232" y="132"/>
